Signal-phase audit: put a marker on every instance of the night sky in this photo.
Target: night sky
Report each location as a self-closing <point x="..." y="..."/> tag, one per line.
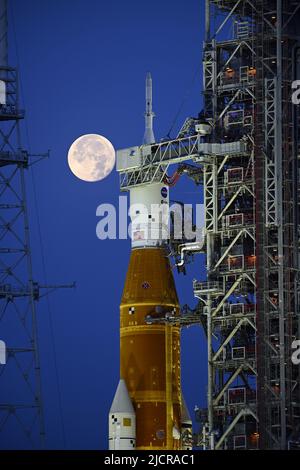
<point x="82" y="66"/>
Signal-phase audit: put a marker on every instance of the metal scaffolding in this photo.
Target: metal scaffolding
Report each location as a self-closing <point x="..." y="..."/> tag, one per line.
<point x="252" y="231"/>
<point x="21" y="416"/>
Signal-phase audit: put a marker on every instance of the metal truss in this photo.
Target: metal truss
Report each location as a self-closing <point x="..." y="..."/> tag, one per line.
<point x="271" y="169"/>
<point x="231" y="418"/>
<point x="21" y="415"/>
<point x="277" y="263"/>
<point x="154" y="160"/>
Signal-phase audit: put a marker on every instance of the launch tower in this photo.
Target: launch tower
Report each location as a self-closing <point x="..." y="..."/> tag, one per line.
<point x="252" y="214"/>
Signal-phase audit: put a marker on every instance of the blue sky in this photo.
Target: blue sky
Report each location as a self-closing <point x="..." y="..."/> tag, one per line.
<point x="82" y="66"/>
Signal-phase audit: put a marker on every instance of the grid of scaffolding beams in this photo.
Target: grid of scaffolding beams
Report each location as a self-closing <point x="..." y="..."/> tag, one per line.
<point x="246" y="144"/>
<point x="252" y="227"/>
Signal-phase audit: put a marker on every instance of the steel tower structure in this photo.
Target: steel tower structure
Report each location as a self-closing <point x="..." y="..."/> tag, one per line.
<point x="20" y="386"/>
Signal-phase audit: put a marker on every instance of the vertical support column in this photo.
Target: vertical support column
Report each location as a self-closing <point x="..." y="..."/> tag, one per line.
<point x="278" y="167"/>
<point x="271" y="171"/>
<point x="211" y="226"/>
<point x="210" y="388"/>
<point x="210" y="197"/>
<point x="207" y="20"/>
<point x="169" y="391"/>
<point x="36" y="352"/>
<point x="3" y="33"/>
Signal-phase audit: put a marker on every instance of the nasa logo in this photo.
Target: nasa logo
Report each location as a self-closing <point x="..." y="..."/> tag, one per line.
<point x="164" y="191"/>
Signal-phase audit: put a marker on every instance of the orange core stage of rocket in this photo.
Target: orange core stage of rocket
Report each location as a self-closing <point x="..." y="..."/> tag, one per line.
<point x="150" y="354"/>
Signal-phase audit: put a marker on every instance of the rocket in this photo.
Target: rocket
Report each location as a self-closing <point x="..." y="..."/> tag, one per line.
<point x="148" y="411"/>
<point x="149" y="115"/>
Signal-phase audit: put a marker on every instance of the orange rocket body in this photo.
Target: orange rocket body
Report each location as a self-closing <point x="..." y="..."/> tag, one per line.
<point x="150" y="353"/>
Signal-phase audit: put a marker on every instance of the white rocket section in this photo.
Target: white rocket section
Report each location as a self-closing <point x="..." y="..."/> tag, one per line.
<point x="149" y="212"/>
<point x="186" y="427"/>
<point x="121" y="426"/>
<point x="149" y="115"/>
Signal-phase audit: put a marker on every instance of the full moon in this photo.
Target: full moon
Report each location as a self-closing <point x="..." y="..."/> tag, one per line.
<point x="91" y="157"/>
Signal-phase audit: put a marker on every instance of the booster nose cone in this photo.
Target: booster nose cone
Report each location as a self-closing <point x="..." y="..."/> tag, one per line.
<point x="121" y="424"/>
<point x="186" y="426"/>
<point x="121" y="402"/>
